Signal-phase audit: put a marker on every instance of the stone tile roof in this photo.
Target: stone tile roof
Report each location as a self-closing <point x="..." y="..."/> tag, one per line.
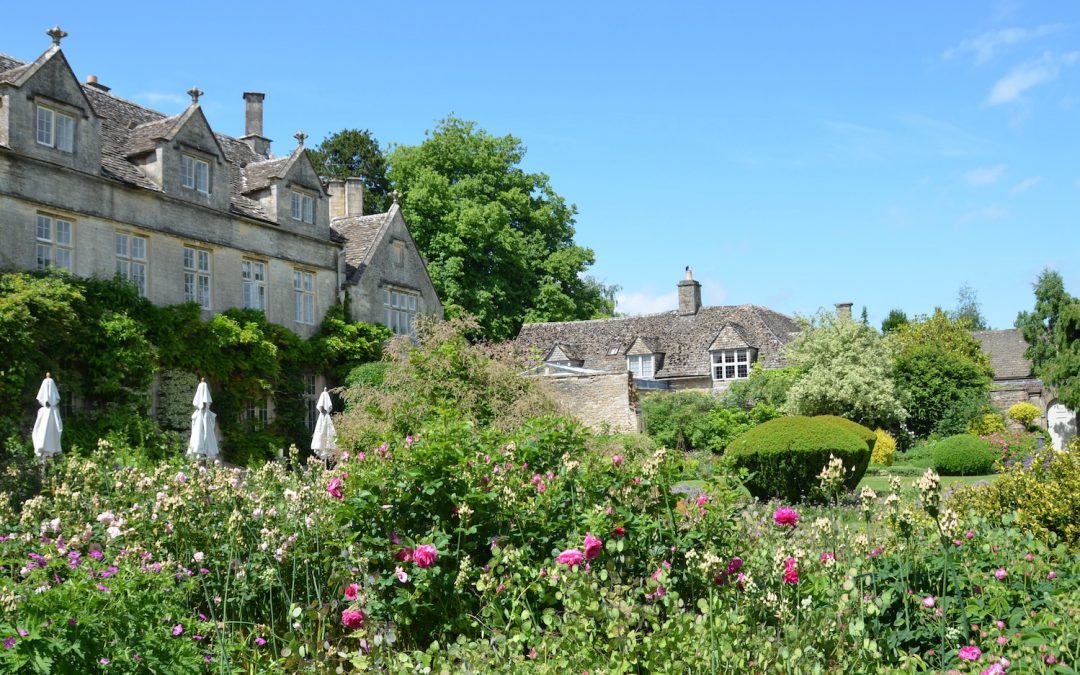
<point x="1006" y="350"/>
<point x="360" y="233"/>
<point x="684" y="340"/>
<point x="129" y="129"/>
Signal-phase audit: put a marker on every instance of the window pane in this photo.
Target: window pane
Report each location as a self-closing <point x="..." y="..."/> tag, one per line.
<point x="122" y="268"/>
<point x="296" y="206"/>
<point x="202" y="176"/>
<point x="44" y="257"/>
<point x="44" y="228"/>
<point x="742" y="371"/>
<point x="204" y="291"/>
<point x="138" y="248"/>
<point x="187" y="170"/>
<point x="138" y="275"/>
<point x="245" y="270"/>
<point x="309" y="309"/>
<point x="729" y="372"/>
<point x="189" y="287"/>
<point x="259" y="271"/>
<point x="63" y="258"/>
<point x="309" y="209"/>
<point x="122" y="245"/>
<point x="189" y="258"/>
<point x="63" y="232"/>
<point x="44" y="126"/>
<point x="65" y="132"/>
<point x="309" y="282"/>
<point x="204" y="261"/>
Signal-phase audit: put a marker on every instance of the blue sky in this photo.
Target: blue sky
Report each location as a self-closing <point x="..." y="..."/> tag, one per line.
<point x="795" y="154"/>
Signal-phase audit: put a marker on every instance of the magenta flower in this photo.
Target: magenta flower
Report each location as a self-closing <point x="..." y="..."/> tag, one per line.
<point x="334" y="488"/>
<point x="351" y="591"/>
<point x="785" y="516"/>
<point x="928" y="601"/>
<point x="425" y="555"/>
<point x="9" y="642"/>
<point x="104" y="661"/>
<point x="1000" y="573"/>
<point x="969" y="653"/>
<point x="1051" y="575"/>
<point x="827" y="556"/>
<point x="593" y="546"/>
<point x="178" y="630"/>
<point x="791" y="574"/>
<point x="352" y="619"/>
<point x="616" y="460"/>
<point x="260" y="641"/>
<point x="570" y="557"/>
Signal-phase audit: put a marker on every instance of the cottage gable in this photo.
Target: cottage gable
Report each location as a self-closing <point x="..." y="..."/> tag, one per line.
<point x="51" y="118"/>
<point x="729" y="337"/>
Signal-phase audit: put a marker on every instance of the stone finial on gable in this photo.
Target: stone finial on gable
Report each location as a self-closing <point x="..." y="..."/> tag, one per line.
<point x="396" y="196"/>
<point x="300" y="137"/>
<point x="57" y="34"/>
<point x="195" y="93"/>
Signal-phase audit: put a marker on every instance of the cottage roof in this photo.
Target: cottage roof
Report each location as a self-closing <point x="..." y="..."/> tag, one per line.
<point x="684" y="340"/>
<point x="360" y="234"/>
<point x="129" y="129"/>
<point x="1006" y="350"/>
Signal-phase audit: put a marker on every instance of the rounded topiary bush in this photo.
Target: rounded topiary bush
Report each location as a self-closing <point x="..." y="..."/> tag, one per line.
<point x="963" y="455"/>
<point x="785" y="455"/>
<point x="868" y="436"/>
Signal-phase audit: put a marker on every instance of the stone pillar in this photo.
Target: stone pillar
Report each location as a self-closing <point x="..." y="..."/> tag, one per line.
<point x="253" y="123"/>
<point x="689" y="295"/>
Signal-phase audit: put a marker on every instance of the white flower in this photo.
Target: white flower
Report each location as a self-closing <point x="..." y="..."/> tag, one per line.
<point x="198" y="557"/>
<point x="106" y="518"/>
<point x="113" y="532"/>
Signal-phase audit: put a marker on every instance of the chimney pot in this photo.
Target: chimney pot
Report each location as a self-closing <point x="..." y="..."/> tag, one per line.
<point x="92" y="81"/>
<point x="253" y="123"/>
<point x="354" y="197"/>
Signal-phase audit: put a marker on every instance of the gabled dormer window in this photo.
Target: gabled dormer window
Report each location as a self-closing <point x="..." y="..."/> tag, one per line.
<point x="55" y="129"/>
<point x="641" y="365"/>
<point x="732" y="364"/>
<point x="303" y="207"/>
<point x="195" y="174"/>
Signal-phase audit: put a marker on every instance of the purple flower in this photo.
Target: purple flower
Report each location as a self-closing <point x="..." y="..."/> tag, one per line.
<point x="97" y="554"/>
<point x="103" y="589"/>
<point x="178" y="630"/>
<point x="23" y="632"/>
<point x="9" y="642"/>
<point x="103" y="661"/>
<point x="260" y="641"/>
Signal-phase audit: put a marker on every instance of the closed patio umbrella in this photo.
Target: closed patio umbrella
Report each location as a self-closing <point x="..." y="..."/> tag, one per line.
<point x="47" y="426"/>
<point x="324" y="442"/>
<point x="203" y="443"/>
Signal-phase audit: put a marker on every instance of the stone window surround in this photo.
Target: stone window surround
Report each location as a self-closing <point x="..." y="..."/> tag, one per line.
<point x="197" y="160"/>
<point x="129" y="265"/>
<point x="63" y="142"/>
<point x="302" y="205"/>
<point x="304" y="296"/>
<point x="50" y="248"/>
<point x="738" y="365"/>
<point x="199" y="277"/>
<point x="396" y="315"/>
<point x="254" y="279"/>
<point x="643" y="366"/>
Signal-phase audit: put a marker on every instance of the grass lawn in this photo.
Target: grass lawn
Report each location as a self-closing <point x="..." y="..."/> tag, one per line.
<point x="880" y="484"/>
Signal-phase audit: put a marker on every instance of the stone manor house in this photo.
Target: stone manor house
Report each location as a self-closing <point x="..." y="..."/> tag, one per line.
<point x="100" y="185"/>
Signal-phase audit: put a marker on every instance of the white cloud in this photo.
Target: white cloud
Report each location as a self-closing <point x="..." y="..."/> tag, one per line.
<point x="649" y="301"/>
<point x="992" y="212"/>
<point x="1025" y="185"/>
<point x="984" y="175"/>
<point x="983" y="46"/>
<point x="1027" y="75"/>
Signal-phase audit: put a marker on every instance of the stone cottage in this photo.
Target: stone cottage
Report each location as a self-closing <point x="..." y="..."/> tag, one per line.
<point x="1015" y="382"/>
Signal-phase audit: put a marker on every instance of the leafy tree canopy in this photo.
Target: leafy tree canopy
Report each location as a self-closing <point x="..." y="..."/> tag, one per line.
<point x="895" y="319"/>
<point x="499" y="241"/>
<point x="968" y="308"/>
<point x="1052" y="331"/>
<point x="952" y="334"/>
<point x="846" y="373"/>
<point x="355" y="153"/>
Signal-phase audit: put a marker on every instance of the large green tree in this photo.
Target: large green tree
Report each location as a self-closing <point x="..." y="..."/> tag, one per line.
<point x="499" y="241"/>
<point x="969" y="308"/>
<point x="846" y="371"/>
<point x="1052" y="331"/>
<point x="355" y="153"/>
<point x="940" y="371"/>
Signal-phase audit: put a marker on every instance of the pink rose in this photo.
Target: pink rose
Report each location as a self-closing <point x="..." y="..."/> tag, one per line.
<point x="928" y="601"/>
<point x="785" y="516"/>
<point x="352" y="619"/>
<point x="1000" y="573"/>
<point x="570" y="557"/>
<point x="425" y="555"/>
<point x="969" y="653"/>
<point x="616" y="460"/>
<point x="593" y="546"/>
<point x="827" y="556"/>
<point x="334" y="488"/>
<point x="619" y="531"/>
<point x="405" y="554"/>
<point x="350" y="591"/>
<point x="791" y="575"/>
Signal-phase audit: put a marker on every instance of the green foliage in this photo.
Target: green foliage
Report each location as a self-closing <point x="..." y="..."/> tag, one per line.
<point x="692" y="420"/>
<point x="987" y="423"/>
<point x="963" y="455"/>
<point x="767" y="386"/>
<point x="933" y="381"/>
<point x="868" y="436"/>
<point x="1025" y="413"/>
<point x="940" y="329"/>
<point x="892" y="322"/>
<point x="443" y="375"/>
<point x="370" y="375"/>
<point x="846" y="373"/>
<point x="355" y="153"/>
<point x="343" y="345"/>
<point x="884" y="448"/>
<point x="498" y="240"/>
<point x="971" y="407"/>
<point x="968" y="308"/>
<point x="785" y="455"/>
<point x="1052" y="331"/>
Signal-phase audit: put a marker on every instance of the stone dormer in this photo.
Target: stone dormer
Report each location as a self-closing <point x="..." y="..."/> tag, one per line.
<point x="45" y="114"/>
<point x="181" y="155"/>
<point x="731" y="355"/>
<point x="563" y="355"/>
<point x="290" y="192"/>
<point x="644" y="357"/>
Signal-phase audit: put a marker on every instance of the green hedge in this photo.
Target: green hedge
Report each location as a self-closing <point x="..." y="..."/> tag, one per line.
<point x="864" y="433"/>
<point x="963" y="455"/>
<point x="785" y="455"/>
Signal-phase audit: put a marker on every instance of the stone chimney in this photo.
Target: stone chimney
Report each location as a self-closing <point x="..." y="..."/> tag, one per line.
<point x="689" y="294"/>
<point x="346" y="197"/>
<point x="91" y="80"/>
<point x="843" y="310"/>
<point x="253" y="124"/>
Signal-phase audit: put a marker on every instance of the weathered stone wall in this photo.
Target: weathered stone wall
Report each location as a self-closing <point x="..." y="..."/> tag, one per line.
<point x="600" y="401"/>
